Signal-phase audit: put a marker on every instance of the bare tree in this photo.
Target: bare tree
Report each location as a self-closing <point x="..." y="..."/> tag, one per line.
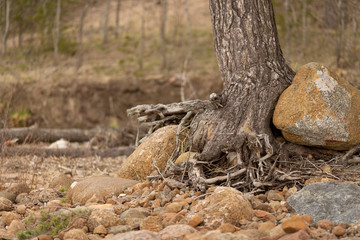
<point x="117" y="18"/>
<point x="57" y="29"/>
<point x="142" y="40"/>
<point x="254" y="74"/>
<point x="106" y="21"/>
<point x="7" y="25"/>
<point x="189" y="53"/>
<point x="164" y="7"/>
<point x="304" y="23"/>
<point x="287" y="28"/>
<point x="79" y="51"/>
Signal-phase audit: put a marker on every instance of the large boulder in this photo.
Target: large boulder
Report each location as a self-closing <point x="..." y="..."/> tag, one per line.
<point x="153" y="152"/>
<point x="334" y="201"/>
<point x="319" y="109"/>
<point x="97" y="187"/>
<point x="224" y="205"/>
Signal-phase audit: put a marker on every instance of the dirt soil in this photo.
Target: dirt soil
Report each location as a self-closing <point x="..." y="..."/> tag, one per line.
<point x="74" y="103"/>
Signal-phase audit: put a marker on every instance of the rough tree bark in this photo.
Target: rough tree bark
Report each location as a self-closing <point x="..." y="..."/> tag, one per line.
<point x="254" y="74"/>
<point x="106" y="20"/>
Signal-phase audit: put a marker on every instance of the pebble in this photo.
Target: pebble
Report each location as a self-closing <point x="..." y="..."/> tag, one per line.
<point x="166" y="213"/>
<point x="339" y="231"/>
<point x="325" y="224"/>
<point x="294" y="224"/>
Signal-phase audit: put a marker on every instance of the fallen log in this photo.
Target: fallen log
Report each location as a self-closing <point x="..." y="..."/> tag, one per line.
<point x="35" y="134"/>
<point x="68" y="152"/>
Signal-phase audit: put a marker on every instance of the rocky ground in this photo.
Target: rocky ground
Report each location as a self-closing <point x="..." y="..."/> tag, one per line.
<point x="37" y="202"/>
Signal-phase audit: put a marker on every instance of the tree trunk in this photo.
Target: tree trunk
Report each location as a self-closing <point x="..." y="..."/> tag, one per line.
<point x="117" y="19"/>
<point x="106" y="20"/>
<point x="287" y="29"/>
<point x="57" y="30"/>
<point x="254" y="74"/>
<point x="304" y="25"/>
<point x="164" y="4"/>
<point x="7" y="24"/>
<point x="79" y="51"/>
<point x="142" y="40"/>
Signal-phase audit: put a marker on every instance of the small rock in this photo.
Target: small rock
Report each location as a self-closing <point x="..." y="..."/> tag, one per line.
<point x="294" y="224"/>
<point x="15" y="226"/>
<point x="122" y="228"/>
<point x="61" y="182"/>
<point x="227" y="228"/>
<point x="78" y="222"/>
<point x="252" y="233"/>
<point x="152" y="223"/>
<point x="8" y="195"/>
<point x="101" y="206"/>
<point x="307" y="218"/>
<point x="44" y="237"/>
<point x="223" y="205"/>
<point x="277" y="232"/>
<point x="100" y="230"/>
<point x="156" y="203"/>
<point x="142" y="234"/>
<point x="266" y="227"/>
<point x="103" y="217"/>
<point x="195" y="220"/>
<point x="339" y="231"/>
<point x="21" y="209"/>
<point x="23" y="198"/>
<point x="265" y="215"/>
<point x="43" y="195"/>
<point x="273" y="195"/>
<point x="299" y="235"/>
<point x="177" y="231"/>
<point x="77" y="234"/>
<point x="5" y="204"/>
<point x="19" y="188"/>
<point x="174" y="207"/>
<point x="325" y="224"/>
<point x="135" y="213"/>
<point x="8" y="217"/>
<point x="290" y="192"/>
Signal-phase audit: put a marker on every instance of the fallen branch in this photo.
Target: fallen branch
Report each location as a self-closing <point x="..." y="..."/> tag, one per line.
<point x="68" y="152"/>
<point x="34" y="134"/>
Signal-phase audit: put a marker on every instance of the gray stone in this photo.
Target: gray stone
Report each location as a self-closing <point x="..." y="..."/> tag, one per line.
<point x="334" y="201"/>
<point x="319" y="109"/>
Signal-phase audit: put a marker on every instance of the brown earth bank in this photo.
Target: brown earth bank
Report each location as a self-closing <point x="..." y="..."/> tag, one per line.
<point x="72" y="103"/>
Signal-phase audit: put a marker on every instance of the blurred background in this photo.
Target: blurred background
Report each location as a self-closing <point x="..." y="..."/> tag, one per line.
<point x="82" y="63"/>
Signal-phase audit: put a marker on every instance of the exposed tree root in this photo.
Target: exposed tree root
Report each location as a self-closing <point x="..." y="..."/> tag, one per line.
<point x="68" y="152"/>
<point x="260" y="162"/>
<point x="156" y="116"/>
